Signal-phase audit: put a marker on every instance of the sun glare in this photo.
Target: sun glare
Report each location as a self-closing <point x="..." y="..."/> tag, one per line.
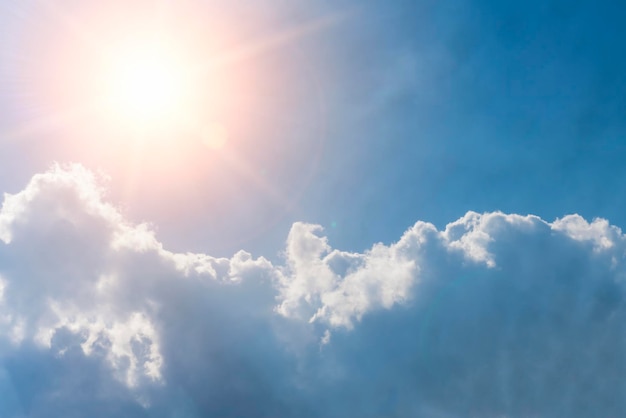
<point x="145" y="82"/>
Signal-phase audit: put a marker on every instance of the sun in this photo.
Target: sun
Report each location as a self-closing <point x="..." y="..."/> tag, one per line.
<point x="145" y="82"/>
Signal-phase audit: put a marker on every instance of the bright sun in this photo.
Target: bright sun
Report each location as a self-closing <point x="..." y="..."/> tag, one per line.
<point x="145" y="82"/>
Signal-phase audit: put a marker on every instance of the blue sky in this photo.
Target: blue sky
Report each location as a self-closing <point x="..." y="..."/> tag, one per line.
<point x="416" y="211"/>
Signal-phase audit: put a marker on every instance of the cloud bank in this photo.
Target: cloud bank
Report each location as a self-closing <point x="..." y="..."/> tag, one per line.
<point x="496" y="315"/>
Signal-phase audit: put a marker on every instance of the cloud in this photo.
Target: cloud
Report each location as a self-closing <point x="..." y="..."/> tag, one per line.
<point x="341" y="286"/>
<point x="496" y="315"/>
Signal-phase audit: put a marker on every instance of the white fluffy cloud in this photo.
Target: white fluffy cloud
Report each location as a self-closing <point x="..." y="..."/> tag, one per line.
<point x="495" y="315"/>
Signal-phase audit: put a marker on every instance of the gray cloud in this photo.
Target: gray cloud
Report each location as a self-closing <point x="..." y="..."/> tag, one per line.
<point x="495" y="315"/>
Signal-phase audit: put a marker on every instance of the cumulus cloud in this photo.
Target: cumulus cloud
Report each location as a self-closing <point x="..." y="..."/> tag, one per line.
<point x="496" y="315"/>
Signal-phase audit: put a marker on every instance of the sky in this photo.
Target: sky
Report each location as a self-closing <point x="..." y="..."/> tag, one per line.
<point x="273" y="208"/>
